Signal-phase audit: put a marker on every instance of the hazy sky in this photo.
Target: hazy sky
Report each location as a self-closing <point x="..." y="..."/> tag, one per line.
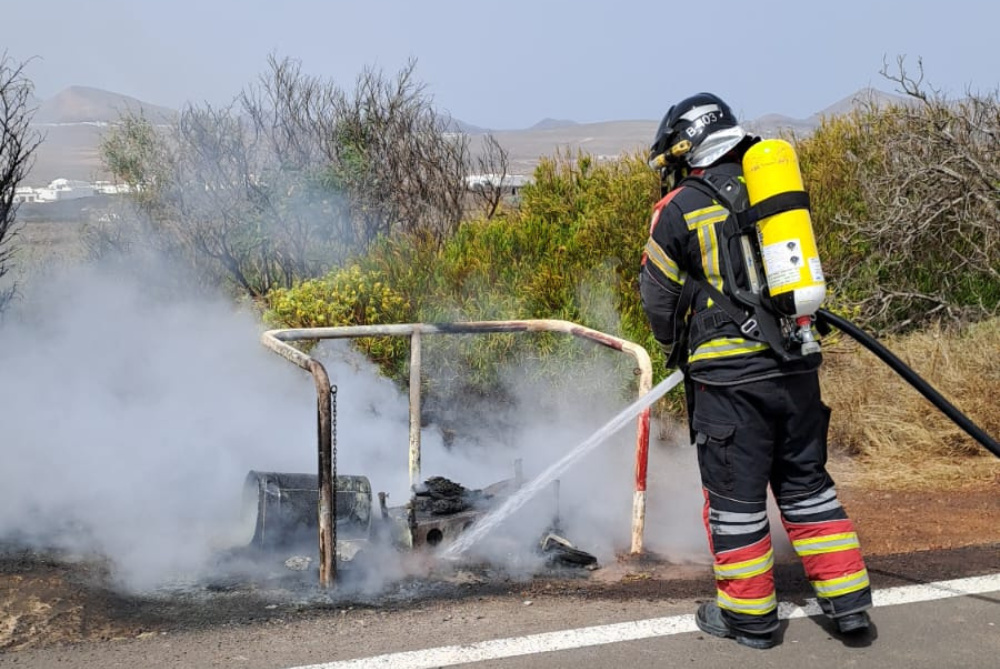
<point x="510" y="64"/>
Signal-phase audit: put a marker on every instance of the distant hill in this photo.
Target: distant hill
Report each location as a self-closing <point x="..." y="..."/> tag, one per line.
<point x="852" y="101"/>
<point x="72" y="120"/>
<point x="467" y="128"/>
<point x="82" y="104"/>
<point x="602" y="140"/>
<point x="552" y="123"/>
<point x="614" y="138"/>
<point x="72" y="123"/>
<point x="771" y="125"/>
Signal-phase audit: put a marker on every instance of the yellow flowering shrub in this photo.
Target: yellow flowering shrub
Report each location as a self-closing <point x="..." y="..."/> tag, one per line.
<point x="348" y="296"/>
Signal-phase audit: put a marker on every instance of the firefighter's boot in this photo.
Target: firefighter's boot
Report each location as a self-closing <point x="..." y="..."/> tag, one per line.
<point x="853" y="623"/>
<point x="709" y="620"/>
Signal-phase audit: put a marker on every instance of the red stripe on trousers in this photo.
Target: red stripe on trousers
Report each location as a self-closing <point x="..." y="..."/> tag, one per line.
<point x="825" y="566"/>
<point x="756" y="587"/>
<point x="704" y="520"/>
<point x="799" y="531"/>
<point x="749" y="552"/>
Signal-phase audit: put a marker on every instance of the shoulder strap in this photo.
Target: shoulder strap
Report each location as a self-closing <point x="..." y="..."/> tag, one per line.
<point x="727" y="189"/>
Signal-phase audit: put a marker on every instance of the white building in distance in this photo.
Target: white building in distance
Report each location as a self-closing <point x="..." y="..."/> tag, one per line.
<point x="67" y="189"/>
<point x="508" y="183"/>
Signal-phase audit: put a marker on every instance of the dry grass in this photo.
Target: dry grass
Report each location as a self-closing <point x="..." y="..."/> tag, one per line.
<point x="43" y="247"/>
<point x="895" y="437"/>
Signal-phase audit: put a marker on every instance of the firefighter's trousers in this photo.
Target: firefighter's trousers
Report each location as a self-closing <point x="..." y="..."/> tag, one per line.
<point x="773" y="432"/>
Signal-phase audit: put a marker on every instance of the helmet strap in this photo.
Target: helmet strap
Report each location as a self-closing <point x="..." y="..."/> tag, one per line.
<point x="671" y="176"/>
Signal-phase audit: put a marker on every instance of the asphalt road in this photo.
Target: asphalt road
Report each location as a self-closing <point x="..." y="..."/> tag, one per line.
<point x="507" y="631"/>
<point x="961" y="632"/>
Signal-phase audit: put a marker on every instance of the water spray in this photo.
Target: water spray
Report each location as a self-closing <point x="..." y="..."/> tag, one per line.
<point x="493" y="518"/>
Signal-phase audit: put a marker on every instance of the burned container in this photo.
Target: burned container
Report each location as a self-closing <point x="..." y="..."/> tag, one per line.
<point x="281" y="508"/>
<point x="281" y="513"/>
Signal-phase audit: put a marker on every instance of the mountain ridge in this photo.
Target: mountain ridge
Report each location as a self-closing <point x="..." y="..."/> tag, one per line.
<point x="87" y="104"/>
<point x="74" y="121"/>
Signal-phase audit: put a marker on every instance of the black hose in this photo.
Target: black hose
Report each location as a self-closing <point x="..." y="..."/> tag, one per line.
<point x="886" y="356"/>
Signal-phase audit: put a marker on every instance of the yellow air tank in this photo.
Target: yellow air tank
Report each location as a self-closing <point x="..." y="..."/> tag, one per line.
<point x="788" y="247"/>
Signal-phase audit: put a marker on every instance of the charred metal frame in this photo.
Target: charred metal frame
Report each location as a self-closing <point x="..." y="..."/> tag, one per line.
<point x="279" y="342"/>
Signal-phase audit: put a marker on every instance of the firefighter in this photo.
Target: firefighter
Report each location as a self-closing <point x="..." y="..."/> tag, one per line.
<point x="755" y="411"/>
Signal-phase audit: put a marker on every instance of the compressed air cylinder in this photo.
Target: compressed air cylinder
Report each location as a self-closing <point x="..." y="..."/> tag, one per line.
<point x="791" y="262"/>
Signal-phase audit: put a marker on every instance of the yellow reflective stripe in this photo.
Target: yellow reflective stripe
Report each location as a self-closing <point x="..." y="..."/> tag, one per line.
<point x="726" y="346"/>
<point x="707" y="220"/>
<point x="831" y="543"/>
<point x="753" y="607"/>
<point x="708" y="241"/>
<point x="704" y="221"/>
<point x="704" y="243"/>
<point x="715" y="206"/>
<point x="709" y="258"/>
<point x="663" y="262"/>
<point x="843" y="585"/>
<point x="825" y="538"/>
<point x="745" y="569"/>
<point x="700" y="216"/>
<point x="714" y="272"/>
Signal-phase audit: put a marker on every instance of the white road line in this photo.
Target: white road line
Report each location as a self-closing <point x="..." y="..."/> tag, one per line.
<point x="446" y="656"/>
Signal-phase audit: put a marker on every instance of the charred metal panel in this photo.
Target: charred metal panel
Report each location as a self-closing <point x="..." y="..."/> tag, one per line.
<point x="284" y="505"/>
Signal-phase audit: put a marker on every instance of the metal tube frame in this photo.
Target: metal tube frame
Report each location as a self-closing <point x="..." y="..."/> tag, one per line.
<point x="279" y="341"/>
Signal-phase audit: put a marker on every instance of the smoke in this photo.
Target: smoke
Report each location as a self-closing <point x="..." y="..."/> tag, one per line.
<point x="131" y="416"/>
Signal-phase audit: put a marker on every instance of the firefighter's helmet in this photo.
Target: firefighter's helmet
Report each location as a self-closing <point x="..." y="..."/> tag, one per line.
<point x="695" y="132"/>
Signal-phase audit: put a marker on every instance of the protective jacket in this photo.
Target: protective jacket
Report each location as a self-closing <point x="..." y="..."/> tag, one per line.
<point x="686" y="239"/>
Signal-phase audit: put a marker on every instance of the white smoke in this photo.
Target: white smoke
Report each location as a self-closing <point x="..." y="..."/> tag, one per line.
<point x="130" y="418"/>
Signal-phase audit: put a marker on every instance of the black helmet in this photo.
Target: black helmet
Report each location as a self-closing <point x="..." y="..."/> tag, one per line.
<point x="696" y="132"/>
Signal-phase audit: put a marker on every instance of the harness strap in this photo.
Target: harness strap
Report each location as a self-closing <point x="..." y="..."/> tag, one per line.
<point x="747" y="322"/>
<point x="776" y="204"/>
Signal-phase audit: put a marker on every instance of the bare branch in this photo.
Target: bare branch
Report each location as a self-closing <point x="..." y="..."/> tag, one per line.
<point x="492" y="168"/>
<point x="296" y="176"/>
<point x="18" y="143"/>
<point x="929" y="178"/>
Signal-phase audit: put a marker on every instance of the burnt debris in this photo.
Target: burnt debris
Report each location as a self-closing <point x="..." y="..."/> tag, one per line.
<point x="439" y="496"/>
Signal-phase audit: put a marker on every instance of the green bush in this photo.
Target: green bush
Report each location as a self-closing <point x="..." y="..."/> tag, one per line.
<point x="906" y="207"/>
<point x="350" y="296"/>
<point x="570" y="250"/>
